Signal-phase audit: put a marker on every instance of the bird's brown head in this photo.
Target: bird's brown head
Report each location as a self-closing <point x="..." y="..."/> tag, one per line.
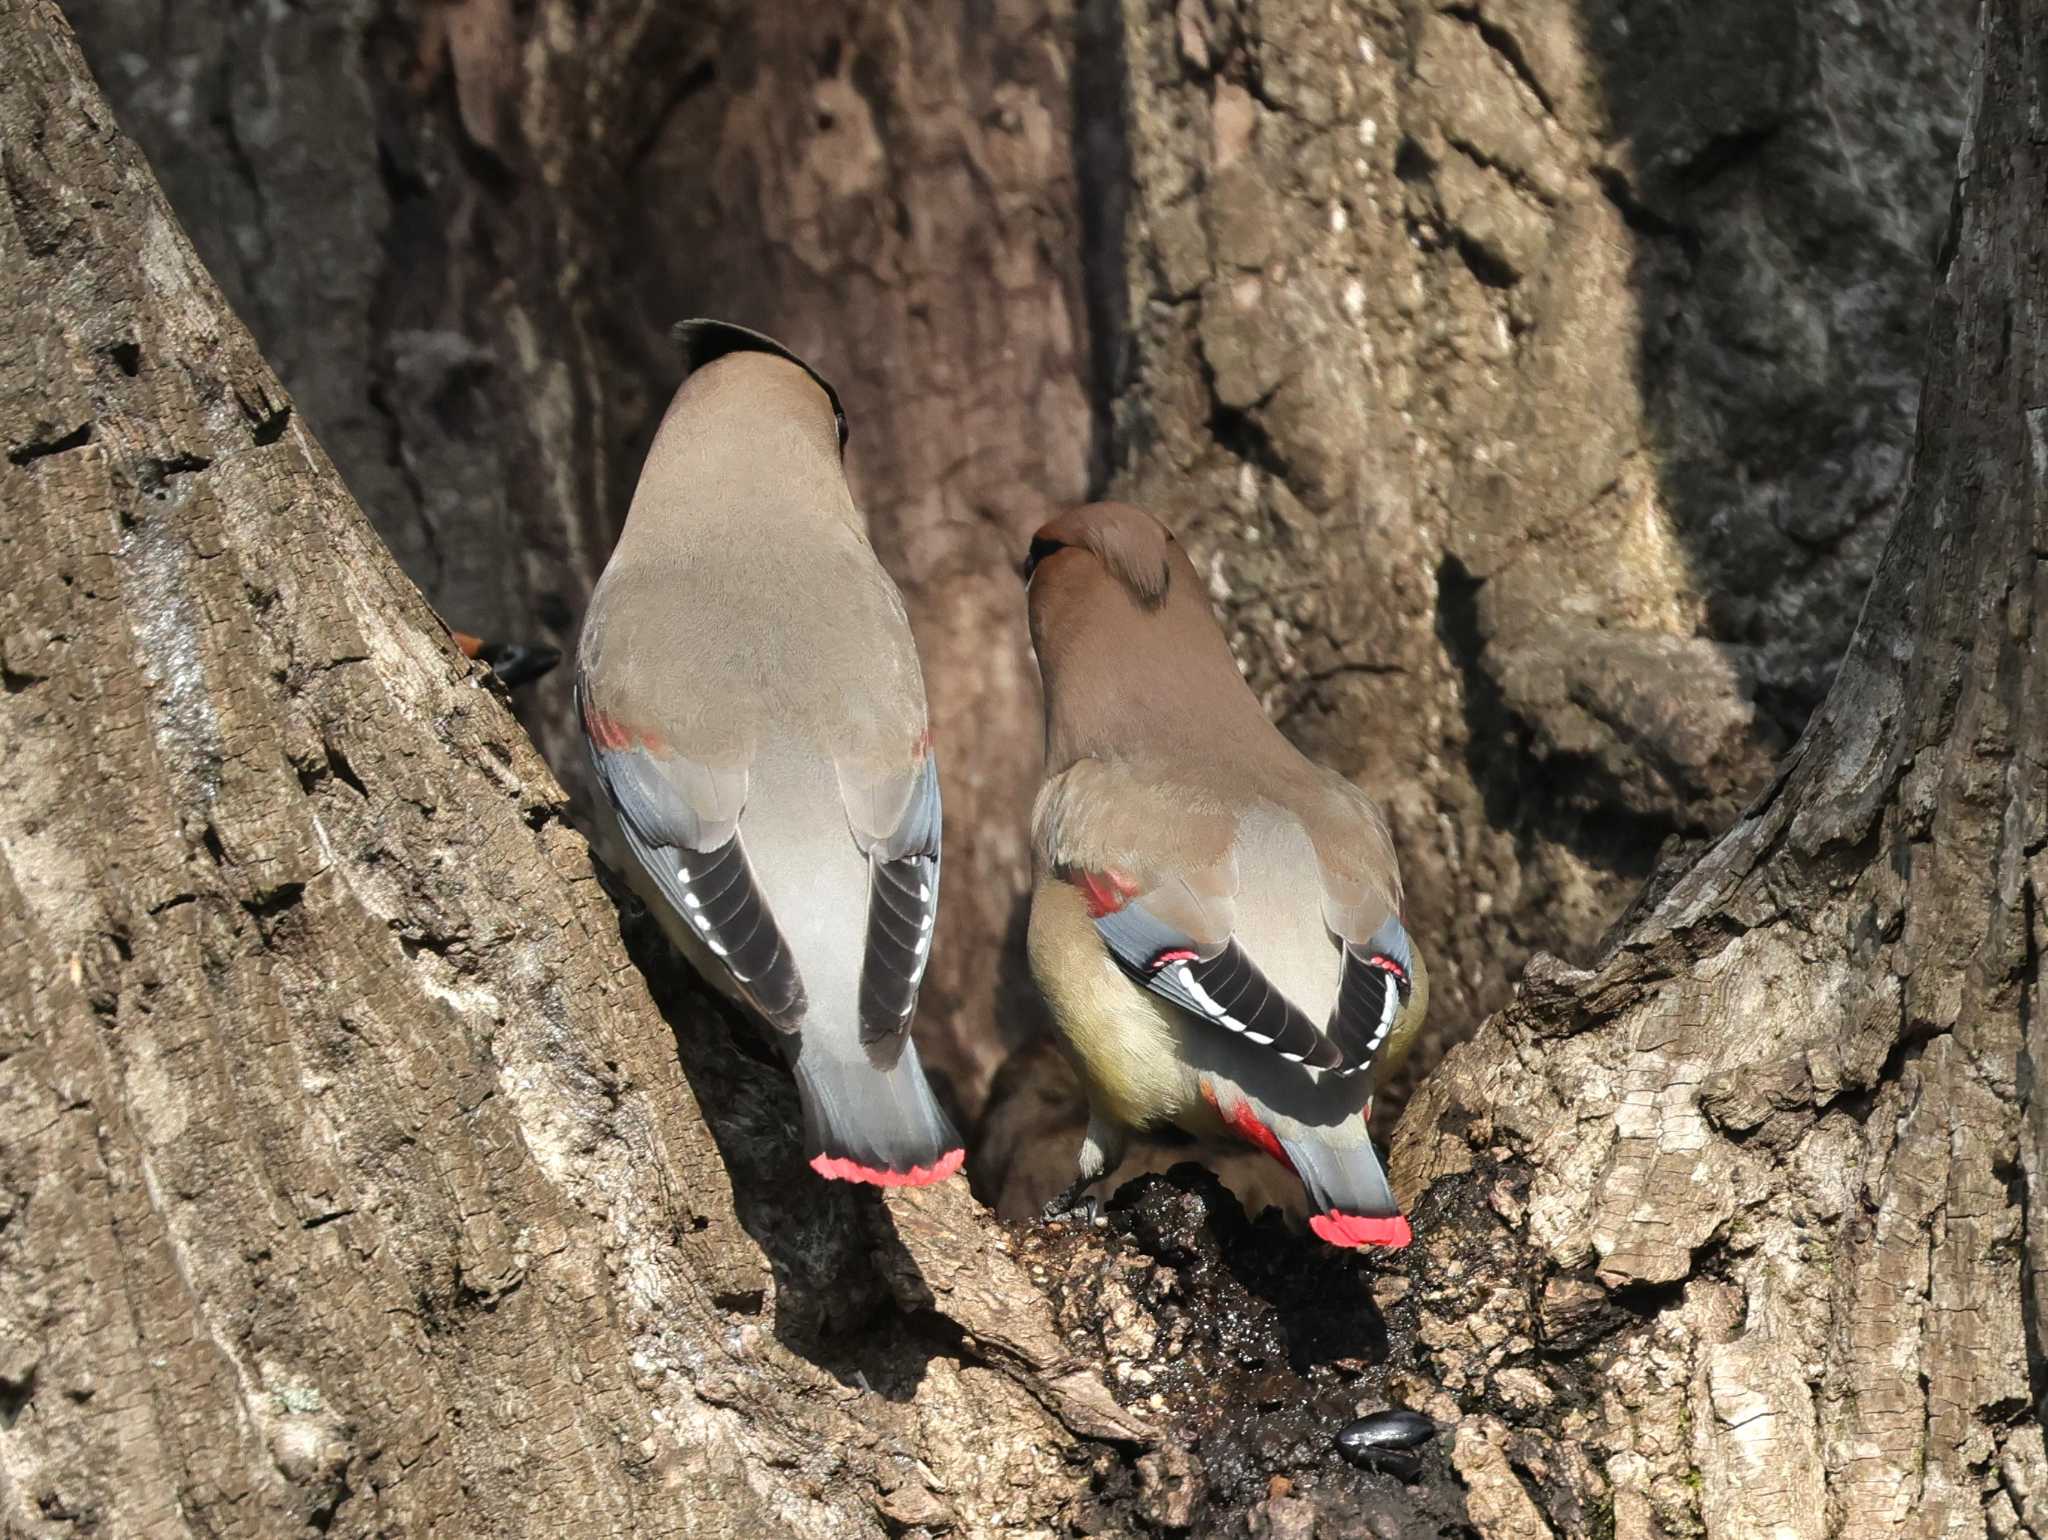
<point x="1125" y="639"/>
<point x="1123" y="542"/>
<point x="758" y="374"/>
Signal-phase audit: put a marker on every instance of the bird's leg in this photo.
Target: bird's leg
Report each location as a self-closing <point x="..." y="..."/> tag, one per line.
<point x="1069" y="1203"/>
<point x="1102" y="1151"/>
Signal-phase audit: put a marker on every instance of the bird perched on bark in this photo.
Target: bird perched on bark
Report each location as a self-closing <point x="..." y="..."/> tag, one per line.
<point x="1215" y="920"/>
<point x="753" y="703"/>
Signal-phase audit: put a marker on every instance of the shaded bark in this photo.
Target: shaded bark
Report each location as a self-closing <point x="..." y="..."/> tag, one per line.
<point x="351" y="1179"/>
<point x="461" y="230"/>
<point x="1556" y="573"/>
<point x="1770" y="1174"/>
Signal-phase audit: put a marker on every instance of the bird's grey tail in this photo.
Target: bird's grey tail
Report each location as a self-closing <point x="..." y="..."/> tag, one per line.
<point x="1350" y="1201"/>
<point x="863" y="1124"/>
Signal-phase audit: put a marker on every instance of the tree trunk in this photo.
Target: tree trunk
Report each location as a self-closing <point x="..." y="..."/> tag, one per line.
<point x="1758" y="1199"/>
<point x="350" y="1179"/>
<point x="1535" y="376"/>
<point x="1658" y="268"/>
<point x="349" y="1176"/>
<point x="462" y="230"/>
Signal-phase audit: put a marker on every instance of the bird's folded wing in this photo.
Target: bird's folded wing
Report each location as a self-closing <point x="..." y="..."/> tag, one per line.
<point x="1225" y="987"/>
<point x="896" y="820"/>
<point x="1361" y="897"/>
<point x="1158" y="870"/>
<point x="680" y="818"/>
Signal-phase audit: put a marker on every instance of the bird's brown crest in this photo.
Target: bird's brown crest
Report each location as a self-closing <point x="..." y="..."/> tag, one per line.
<point x="1131" y="544"/>
<point x="706" y="341"/>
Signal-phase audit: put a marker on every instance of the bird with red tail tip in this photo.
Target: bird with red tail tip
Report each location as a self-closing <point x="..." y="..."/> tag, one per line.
<point x="753" y="704"/>
<point x="1215" y="920"/>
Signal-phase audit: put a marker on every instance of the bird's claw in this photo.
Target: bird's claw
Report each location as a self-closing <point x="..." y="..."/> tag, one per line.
<point x="1072" y="1204"/>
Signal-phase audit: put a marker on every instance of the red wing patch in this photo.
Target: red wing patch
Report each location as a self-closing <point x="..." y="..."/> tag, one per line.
<point x="1244" y="1122"/>
<point x="1106" y="892"/>
<point x="611" y="734"/>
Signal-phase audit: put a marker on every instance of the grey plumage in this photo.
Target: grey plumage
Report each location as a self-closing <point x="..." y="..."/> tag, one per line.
<point x="753" y="702"/>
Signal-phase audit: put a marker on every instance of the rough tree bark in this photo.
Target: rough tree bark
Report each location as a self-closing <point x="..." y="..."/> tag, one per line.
<point x="349" y="1178"/>
<point x="1321" y="281"/>
<point x="1768" y="1181"/>
<point x="461" y="230"/>
<point x="1534" y="378"/>
<point x="1536" y="375"/>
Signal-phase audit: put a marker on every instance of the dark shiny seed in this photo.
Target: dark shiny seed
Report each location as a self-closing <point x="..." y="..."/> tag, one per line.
<point x="1377" y="1435"/>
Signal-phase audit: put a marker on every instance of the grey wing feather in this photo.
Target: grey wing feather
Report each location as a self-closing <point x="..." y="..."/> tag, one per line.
<point x="650" y="806"/>
<point x="699" y="863"/>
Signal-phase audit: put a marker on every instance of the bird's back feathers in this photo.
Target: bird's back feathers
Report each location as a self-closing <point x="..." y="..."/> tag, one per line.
<point x="751" y="694"/>
<point x="1216" y="918"/>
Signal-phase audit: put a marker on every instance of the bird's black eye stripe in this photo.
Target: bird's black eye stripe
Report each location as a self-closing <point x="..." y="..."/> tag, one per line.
<point x="1042" y="546"/>
<point x="839" y="420"/>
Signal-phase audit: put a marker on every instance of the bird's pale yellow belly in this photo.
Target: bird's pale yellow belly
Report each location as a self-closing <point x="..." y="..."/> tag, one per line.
<point x="1126" y="1041"/>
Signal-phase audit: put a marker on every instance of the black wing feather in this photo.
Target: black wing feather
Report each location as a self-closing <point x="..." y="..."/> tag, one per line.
<point x="1225" y="987"/>
<point x="903" y="906"/>
<point x="1373" y="990"/>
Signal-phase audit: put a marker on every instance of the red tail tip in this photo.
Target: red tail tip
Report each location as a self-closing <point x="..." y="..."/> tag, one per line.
<point x="1341" y="1229"/>
<point x="839" y="1168"/>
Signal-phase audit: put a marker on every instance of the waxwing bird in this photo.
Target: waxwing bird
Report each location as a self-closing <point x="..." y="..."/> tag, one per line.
<point x="1215" y="920"/>
<point x="752" y="699"/>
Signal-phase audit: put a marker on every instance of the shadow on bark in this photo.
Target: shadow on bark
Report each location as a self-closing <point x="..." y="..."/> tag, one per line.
<point x="831" y="1246"/>
<point x="1679" y="1215"/>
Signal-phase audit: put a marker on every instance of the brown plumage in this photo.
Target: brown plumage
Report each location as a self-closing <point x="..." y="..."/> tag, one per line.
<point x="1215" y="917"/>
<point x="753" y="702"/>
